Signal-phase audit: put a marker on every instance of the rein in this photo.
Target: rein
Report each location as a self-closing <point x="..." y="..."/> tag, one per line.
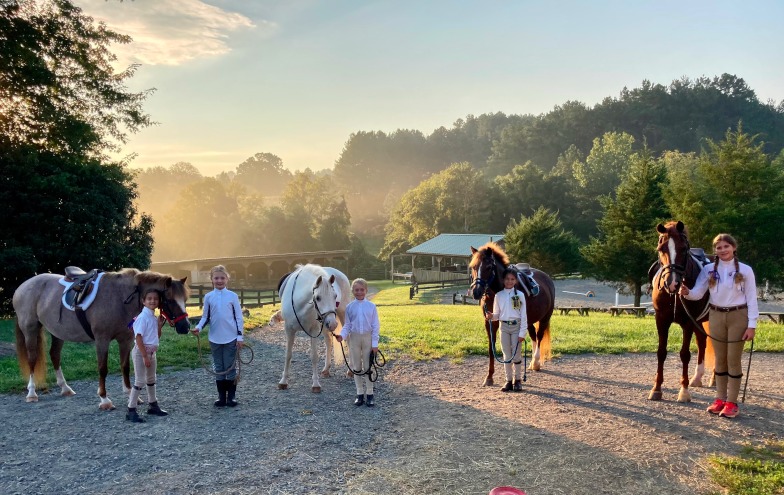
<point x="239" y="360"/>
<point x="374" y="364"/>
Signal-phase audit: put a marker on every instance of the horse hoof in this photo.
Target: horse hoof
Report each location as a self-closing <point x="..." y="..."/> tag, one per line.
<point x="283" y="386"/>
<point x="655" y="395"/>
<point x="325" y="374"/>
<point x="107" y="407"/>
<point x="67" y="393"/>
<point x="31" y="399"/>
<point x="696" y="383"/>
<point x="488" y="382"/>
<point x="315" y="390"/>
<point x="535" y="367"/>
<point x="684" y="396"/>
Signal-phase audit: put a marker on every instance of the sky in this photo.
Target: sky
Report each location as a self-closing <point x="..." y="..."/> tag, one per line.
<point x="296" y="78"/>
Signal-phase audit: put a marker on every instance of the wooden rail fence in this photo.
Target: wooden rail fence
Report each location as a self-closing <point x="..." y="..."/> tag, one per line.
<point x="249" y="298"/>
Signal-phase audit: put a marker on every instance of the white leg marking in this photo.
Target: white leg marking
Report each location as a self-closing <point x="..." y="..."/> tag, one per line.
<point x="31" y="395"/>
<point x="106" y="404"/>
<point x="65" y="390"/>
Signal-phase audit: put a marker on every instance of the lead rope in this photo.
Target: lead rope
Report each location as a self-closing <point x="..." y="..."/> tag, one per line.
<point x="374" y="363"/>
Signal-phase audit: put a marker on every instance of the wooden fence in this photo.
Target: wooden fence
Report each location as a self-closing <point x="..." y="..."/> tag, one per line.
<point x="249" y="298"/>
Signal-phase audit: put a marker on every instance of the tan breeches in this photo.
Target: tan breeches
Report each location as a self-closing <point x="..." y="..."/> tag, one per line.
<point x="725" y="330"/>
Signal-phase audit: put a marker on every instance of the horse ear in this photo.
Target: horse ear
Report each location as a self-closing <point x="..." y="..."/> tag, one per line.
<point x="680" y="226"/>
<point x="660" y="228"/>
<point x="473" y="250"/>
<point x="318" y="281"/>
<point x="183" y="279"/>
<point x="331" y="279"/>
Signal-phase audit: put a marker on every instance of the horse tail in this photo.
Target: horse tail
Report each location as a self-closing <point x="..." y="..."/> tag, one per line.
<point x="39" y="368"/>
<point x="545" y="349"/>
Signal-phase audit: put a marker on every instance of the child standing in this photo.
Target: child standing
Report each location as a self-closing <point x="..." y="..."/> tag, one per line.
<point x="509" y="308"/>
<point x="147" y="333"/>
<point x="733" y="318"/>
<point x="222" y="311"/>
<point x="363" y="326"/>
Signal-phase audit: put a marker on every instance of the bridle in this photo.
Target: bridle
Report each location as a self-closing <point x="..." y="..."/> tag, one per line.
<point x="478" y="281"/>
<point x="672" y="269"/>
<point x="165" y="305"/>
<point x="320" y="317"/>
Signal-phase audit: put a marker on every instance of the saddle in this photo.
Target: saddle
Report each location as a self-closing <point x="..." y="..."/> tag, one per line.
<point x="526" y="279"/>
<point x="697" y="254"/>
<point x="81" y="284"/>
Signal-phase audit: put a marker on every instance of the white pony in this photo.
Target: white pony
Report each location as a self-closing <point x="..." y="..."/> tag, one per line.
<point x="342" y="288"/>
<point x="308" y="303"/>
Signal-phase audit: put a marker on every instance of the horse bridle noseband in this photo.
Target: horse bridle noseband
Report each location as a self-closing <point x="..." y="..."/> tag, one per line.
<point x="679" y="271"/>
<point x="321" y="317"/>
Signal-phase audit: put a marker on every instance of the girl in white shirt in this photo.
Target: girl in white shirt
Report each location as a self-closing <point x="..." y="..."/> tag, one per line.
<point x="509" y="308"/>
<point x="363" y="326"/>
<point x="733" y="318"/>
<point x="147" y="334"/>
<point x="223" y="312"/>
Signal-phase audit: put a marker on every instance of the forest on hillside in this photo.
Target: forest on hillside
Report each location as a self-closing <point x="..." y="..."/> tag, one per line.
<point x="564" y="161"/>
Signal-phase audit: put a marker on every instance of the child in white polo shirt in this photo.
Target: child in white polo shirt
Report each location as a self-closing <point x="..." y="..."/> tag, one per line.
<point x="509" y="309"/>
<point x="363" y="326"/>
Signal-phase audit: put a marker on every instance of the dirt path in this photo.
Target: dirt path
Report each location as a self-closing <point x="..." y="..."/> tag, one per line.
<point x="582" y="426"/>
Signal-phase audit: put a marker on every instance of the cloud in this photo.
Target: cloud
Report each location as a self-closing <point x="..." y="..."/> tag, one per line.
<point x="169" y="32"/>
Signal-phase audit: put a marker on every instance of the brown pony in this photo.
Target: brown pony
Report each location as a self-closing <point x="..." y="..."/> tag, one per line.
<point x="678" y="265"/>
<point x="38" y="305"/>
<point x="487" y="265"/>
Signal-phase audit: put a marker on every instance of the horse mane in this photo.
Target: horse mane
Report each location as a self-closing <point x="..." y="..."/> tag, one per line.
<point x="178" y="288"/>
<point x="497" y="251"/>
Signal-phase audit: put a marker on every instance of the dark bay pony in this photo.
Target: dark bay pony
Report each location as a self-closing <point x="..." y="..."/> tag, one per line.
<point x="678" y="265"/>
<point x="487" y="265"/>
<point x="38" y="305"/>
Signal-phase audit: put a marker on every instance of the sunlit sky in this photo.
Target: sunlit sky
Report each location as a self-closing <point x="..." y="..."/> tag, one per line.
<point x="296" y="78"/>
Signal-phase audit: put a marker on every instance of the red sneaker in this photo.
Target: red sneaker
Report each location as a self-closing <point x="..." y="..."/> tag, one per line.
<point x="716" y="407"/>
<point x="730" y="410"/>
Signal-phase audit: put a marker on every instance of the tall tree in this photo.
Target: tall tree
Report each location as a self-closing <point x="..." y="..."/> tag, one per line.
<point x="541" y="241"/>
<point x="740" y="191"/>
<point x="58" y="89"/>
<point x="626" y="243"/>
<point x="263" y="173"/>
<point x="456" y="200"/>
<point x="62" y="106"/>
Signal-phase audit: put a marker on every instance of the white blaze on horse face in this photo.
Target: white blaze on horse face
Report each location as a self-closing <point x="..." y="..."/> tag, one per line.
<point x="671" y="247"/>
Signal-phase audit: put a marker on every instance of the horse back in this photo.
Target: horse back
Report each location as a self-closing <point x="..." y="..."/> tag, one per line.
<point x="541" y="306"/>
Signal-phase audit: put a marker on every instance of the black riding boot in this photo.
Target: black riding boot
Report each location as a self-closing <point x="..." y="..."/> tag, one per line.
<point x="133" y="416"/>
<point x="231" y="387"/>
<point x="156" y="410"/>
<point x="221" y="384"/>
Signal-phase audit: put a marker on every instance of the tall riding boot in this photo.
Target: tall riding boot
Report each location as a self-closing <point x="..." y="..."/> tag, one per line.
<point x="231" y="387"/>
<point x="221" y="384"/>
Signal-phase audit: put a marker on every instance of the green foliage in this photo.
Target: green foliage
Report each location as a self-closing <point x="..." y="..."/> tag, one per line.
<point x="734" y="188"/>
<point x="58" y="89"/>
<point x="454" y="200"/>
<point x="263" y="173"/>
<point x="627" y="237"/>
<point x="759" y="470"/>
<point x="66" y="210"/>
<point x="541" y="241"/>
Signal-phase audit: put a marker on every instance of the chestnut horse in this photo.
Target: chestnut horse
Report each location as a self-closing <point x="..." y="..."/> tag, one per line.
<point x="38" y="305"/>
<point x="487" y="266"/>
<point x="678" y="265"/>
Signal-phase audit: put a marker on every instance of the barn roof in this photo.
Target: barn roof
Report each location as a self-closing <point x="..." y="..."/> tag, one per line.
<point x="455" y="245"/>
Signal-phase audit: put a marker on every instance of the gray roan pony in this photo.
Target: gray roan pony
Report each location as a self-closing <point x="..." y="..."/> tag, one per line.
<point x="38" y="305"/>
<point x="308" y="303"/>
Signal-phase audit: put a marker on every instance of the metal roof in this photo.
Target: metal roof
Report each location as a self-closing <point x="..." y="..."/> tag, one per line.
<point x="455" y="245"/>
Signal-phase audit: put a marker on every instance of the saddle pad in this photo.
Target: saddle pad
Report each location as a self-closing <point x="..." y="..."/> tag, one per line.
<point x="87" y="300"/>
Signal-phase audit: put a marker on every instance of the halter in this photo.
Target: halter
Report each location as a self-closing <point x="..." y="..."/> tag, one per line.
<point x="165" y="308"/>
<point x="321" y="317"/>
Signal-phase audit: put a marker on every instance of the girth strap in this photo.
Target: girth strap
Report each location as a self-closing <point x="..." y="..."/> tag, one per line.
<point x="80" y="315"/>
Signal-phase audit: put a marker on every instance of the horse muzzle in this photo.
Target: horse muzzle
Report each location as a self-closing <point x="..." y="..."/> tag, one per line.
<point x="183" y="326"/>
